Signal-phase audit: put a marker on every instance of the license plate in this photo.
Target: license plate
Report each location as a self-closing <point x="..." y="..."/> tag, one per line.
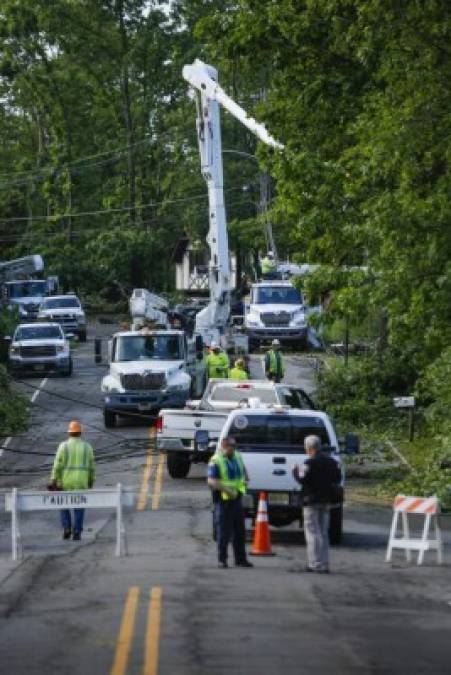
<point x="146" y="405"/>
<point x="39" y="366"/>
<point x="278" y="498"/>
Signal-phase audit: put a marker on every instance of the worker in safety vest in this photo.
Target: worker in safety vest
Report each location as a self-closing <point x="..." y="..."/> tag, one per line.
<point x="227" y="478"/>
<point x="73" y="469"/>
<point x="274" y="367"/>
<point x="217" y="362"/>
<point x="238" y="371"/>
<point x="268" y="266"/>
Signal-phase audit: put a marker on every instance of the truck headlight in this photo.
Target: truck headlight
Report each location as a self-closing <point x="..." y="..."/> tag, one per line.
<point x="299" y="318"/>
<point x="61" y="348"/>
<point x="14" y="351"/>
<point x="177" y="387"/>
<point x="253" y="320"/>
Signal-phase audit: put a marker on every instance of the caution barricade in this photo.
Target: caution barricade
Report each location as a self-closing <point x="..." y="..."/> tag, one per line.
<point x="405" y="506"/>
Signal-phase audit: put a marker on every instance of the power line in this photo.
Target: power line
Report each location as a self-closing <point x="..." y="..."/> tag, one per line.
<point x="122" y="209"/>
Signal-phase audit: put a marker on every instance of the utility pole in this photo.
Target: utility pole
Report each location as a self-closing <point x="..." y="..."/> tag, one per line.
<point x="265" y="198"/>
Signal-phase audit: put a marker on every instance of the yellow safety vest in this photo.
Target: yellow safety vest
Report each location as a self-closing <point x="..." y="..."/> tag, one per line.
<point x="238" y="484"/>
<point x="276" y="363"/>
<point x="218" y="365"/>
<point x="238" y="373"/>
<point x="73" y="468"/>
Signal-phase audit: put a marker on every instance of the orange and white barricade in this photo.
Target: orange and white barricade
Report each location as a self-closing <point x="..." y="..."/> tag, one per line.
<point x="428" y="507"/>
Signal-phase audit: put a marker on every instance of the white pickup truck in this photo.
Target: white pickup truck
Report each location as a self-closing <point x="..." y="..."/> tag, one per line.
<point x="40" y="347"/>
<point x="150" y="369"/>
<point x="271" y="443"/>
<point x="177" y="429"/>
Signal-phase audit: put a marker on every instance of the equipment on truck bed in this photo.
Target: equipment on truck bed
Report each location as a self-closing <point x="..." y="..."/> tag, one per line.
<point x="148" y="308"/>
<point x="213" y="320"/>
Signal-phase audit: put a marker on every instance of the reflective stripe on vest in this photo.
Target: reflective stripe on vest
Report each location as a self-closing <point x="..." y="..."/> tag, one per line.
<point x="238" y="484"/>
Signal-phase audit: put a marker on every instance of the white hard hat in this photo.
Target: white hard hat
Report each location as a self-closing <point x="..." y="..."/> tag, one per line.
<point x="270" y="254"/>
<point x="214" y="345"/>
<point x="275" y="343"/>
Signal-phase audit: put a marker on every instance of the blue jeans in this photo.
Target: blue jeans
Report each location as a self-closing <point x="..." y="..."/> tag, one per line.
<point x="230" y="526"/>
<point x="66" y="520"/>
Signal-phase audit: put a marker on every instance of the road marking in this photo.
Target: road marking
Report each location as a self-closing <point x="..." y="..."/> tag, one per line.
<point x="39" y="389"/>
<point x="158" y="482"/>
<point x="126" y="631"/>
<point x="142" y="499"/>
<point x="153" y="632"/>
<point x="33" y="399"/>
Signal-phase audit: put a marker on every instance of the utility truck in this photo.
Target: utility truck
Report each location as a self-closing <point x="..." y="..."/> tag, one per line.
<point x="21" y="292"/>
<point x="275" y="309"/>
<point x="149" y="370"/>
<point x="213" y="322"/>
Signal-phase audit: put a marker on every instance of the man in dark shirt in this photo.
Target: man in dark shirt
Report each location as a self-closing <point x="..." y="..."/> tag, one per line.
<point x="320" y="482"/>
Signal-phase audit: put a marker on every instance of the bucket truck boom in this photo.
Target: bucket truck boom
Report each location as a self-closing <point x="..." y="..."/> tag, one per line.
<point x="212" y="321"/>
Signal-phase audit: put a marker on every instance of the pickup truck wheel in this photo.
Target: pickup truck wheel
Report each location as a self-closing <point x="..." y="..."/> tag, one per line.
<point x="336" y="525"/>
<point x="109" y="418"/>
<point x="178" y="465"/>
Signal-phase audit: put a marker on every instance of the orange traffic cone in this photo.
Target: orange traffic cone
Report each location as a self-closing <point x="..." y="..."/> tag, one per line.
<point x="262" y="535"/>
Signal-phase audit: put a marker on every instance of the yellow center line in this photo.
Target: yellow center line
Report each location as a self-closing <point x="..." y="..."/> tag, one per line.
<point x="158" y="481"/>
<point x="142" y="499"/>
<point x="125" y="636"/>
<point x="153" y="633"/>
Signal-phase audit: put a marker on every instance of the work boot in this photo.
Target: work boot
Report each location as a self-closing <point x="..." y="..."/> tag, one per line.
<point x="244" y="563"/>
<point x="77" y="536"/>
<point x="67" y="532"/>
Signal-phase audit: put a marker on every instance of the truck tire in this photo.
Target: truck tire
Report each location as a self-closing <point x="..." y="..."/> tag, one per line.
<point x="68" y="372"/>
<point x="336" y="525"/>
<point x="179" y="464"/>
<point x="109" y="418"/>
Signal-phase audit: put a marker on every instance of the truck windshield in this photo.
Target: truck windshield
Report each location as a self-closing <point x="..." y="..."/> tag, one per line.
<point x="240" y="392"/>
<point x="38" y="333"/>
<point x="277" y="295"/>
<point x="145" y="347"/>
<point x="263" y="433"/>
<point x="59" y="303"/>
<point x="27" y="289"/>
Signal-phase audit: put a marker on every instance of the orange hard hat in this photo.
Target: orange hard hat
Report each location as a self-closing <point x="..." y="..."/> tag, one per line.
<point x="74" y="427"/>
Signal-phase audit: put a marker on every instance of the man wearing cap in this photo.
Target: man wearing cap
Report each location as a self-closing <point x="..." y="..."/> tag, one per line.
<point x="227" y="478"/>
<point x="238" y="371"/>
<point x="73" y="469"/>
<point x="217" y="362"/>
<point x="274" y="367"/>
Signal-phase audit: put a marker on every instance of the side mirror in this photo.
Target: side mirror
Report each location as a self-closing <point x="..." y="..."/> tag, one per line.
<point x="70" y="336"/>
<point x="7" y="338"/>
<point x="351" y="444"/>
<point x="199" y="344"/>
<point x="193" y="404"/>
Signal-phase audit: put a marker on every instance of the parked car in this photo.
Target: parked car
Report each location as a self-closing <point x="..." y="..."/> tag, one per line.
<point x="67" y="311"/>
<point x="40" y="347"/>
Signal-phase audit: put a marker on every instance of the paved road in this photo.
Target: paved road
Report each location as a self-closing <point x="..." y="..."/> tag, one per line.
<point x="74" y="608"/>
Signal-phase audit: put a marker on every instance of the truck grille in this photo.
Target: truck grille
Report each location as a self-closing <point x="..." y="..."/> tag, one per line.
<point x="271" y="319"/>
<point x="33" y="352"/>
<point x="146" y="381"/>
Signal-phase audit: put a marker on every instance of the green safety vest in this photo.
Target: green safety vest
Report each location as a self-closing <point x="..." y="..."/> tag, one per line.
<point x="268" y="265"/>
<point x="218" y="365"/>
<point x="275" y="363"/>
<point x="238" y="373"/>
<point x="73" y="468"/>
<point x="239" y="484"/>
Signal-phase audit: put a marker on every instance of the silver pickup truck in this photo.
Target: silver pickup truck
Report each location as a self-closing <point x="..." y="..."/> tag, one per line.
<point x="177" y="429"/>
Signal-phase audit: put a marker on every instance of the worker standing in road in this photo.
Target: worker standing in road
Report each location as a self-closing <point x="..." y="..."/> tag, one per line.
<point x="320" y="480"/>
<point x="268" y="266"/>
<point x="73" y="469"/>
<point x="217" y="362"/>
<point x="274" y="366"/>
<point x="227" y="477"/>
<point x="238" y="371"/>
